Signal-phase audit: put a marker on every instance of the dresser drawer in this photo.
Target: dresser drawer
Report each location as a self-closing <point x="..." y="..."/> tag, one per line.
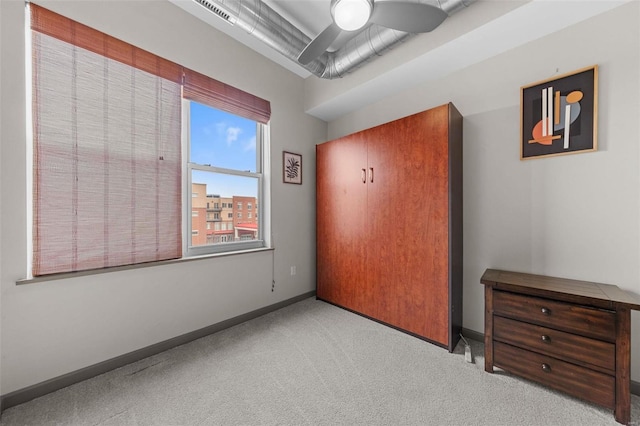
<point x="547" y="341"/>
<point x="590" y="322"/>
<point x="581" y="382"/>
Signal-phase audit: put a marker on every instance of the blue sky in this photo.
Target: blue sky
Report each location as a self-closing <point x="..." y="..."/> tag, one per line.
<point x="223" y="140"/>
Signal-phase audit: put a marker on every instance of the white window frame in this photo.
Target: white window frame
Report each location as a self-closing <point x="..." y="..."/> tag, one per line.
<point x="263" y="174"/>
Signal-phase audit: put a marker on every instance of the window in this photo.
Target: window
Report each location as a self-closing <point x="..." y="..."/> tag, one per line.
<point x="109" y="153"/>
<point x="225" y="154"/>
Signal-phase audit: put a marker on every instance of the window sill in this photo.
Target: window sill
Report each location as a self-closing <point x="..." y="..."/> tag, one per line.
<point x="67" y="275"/>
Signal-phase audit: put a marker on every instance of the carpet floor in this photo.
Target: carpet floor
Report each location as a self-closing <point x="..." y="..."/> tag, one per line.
<point x="310" y="363"/>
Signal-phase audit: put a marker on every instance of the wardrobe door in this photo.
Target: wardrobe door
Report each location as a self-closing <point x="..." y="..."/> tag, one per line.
<point x="386" y="266"/>
<point x="341" y="199"/>
<point x="408" y="217"/>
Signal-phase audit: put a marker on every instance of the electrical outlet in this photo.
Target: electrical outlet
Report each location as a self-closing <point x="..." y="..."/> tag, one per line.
<point x="293" y="270"/>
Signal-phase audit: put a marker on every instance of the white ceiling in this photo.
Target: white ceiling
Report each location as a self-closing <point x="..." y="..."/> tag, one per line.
<point x="485" y="29"/>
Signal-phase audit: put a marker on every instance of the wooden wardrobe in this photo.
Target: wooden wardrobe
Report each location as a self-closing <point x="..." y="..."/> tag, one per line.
<point x="389" y="224"/>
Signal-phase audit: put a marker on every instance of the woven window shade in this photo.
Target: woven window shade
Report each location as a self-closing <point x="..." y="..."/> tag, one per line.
<point x="107" y="166"/>
<point x="46" y="22"/>
<point x="207" y="91"/>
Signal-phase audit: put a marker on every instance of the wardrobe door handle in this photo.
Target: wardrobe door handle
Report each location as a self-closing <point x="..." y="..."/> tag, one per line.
<point x="364" y="175"/>
<point x="371" y="174"/>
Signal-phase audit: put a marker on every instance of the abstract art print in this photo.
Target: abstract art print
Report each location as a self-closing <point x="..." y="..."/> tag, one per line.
<point x="560" y="115"/>
<point x="292" y="168"/>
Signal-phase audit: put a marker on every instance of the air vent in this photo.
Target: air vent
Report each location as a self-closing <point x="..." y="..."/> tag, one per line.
<point x="217" y="10"/>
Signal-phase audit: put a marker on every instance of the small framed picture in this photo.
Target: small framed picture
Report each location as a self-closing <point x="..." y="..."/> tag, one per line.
<point x="291" y="168"/>
<point x="560" y="115"/>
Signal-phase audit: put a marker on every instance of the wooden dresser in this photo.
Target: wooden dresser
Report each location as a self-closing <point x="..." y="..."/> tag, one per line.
<point x="573" y="336"/>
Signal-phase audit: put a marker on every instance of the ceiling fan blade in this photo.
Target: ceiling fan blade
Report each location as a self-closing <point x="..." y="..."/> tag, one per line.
<point x="406" y="16"/>
<point x="319" y="44"/>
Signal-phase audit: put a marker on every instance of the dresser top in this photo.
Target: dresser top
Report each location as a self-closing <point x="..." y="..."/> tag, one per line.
<point x="600" y="295"/>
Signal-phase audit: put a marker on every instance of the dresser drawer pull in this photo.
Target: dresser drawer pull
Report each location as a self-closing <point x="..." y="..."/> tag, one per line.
<point x="545" y="338"/>
<point x="546" y="368"/>
<point x="545" y="311"/>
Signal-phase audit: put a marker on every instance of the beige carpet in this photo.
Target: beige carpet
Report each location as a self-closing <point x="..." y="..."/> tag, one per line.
<point x="308" y="364"/>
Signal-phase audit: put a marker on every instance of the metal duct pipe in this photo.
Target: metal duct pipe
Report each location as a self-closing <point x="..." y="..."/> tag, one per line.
<point x="370" y="42"/>
<point x="264" y="23"/>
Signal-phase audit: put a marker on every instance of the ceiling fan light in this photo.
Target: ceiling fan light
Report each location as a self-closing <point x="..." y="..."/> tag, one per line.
<point x="351" y="15"/>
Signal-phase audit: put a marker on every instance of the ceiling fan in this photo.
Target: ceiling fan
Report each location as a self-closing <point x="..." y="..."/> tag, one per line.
<point x="352" y="15"/>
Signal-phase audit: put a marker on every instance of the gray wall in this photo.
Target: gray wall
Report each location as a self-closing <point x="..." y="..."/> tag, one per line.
<point x="574" y="216"/>
<point x="1" y="121"/>
<point x="56" y="327"/>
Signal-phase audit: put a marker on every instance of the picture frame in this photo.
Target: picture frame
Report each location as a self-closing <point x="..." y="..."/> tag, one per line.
<point x="569" y="104"/>
<point x="291" y="168"/>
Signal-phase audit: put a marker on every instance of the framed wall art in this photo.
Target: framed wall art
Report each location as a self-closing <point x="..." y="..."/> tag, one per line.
<point x="291" y="168"/>
<point x="560" y="115"/>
